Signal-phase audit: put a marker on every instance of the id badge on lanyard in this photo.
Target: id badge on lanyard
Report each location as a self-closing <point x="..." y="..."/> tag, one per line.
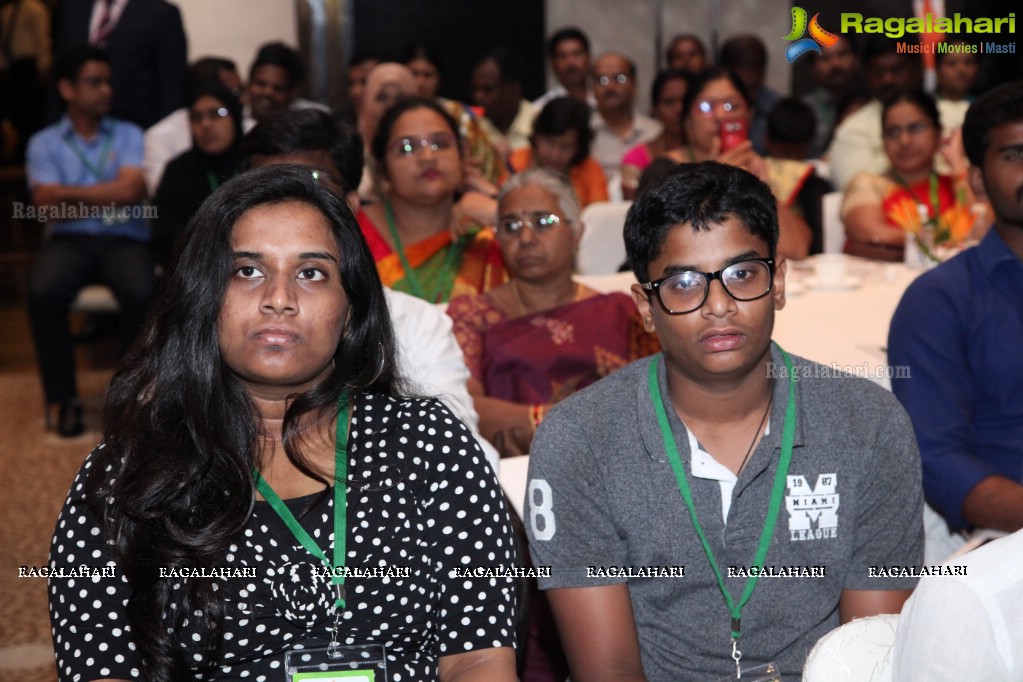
<point x="337" y="663"/>
<point x="769" y="671"/>
<point x="761" y="673"/>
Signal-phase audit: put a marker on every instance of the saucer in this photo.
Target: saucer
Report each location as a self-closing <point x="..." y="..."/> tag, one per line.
<point x="848" y="283"/>
<point x="795" y="287"/>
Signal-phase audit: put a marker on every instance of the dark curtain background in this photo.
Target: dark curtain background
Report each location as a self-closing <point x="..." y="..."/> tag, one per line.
<point x="461" y="30"/>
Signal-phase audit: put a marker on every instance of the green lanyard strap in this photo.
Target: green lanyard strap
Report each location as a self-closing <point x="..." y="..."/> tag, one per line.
<point x="444" y="282"/>
<point x="340" y="506"/>
<point x="97" y="171"/>
<point x="212" y="180"/>
<point x="778" y="490"/>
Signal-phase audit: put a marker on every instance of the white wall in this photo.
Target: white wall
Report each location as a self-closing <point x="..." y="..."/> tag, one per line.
<point x="236" y="28"/>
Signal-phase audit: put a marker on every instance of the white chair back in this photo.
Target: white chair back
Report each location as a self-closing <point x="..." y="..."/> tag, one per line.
<point x="602" y="249"/>
<point x="859" y="651"/>
<point x="834" y="230"/>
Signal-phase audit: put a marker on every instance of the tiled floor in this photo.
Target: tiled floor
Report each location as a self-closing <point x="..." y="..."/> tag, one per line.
<point x="36" y="469"/>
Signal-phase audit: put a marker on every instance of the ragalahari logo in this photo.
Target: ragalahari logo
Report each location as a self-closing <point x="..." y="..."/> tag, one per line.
<point x="818" y="36"/>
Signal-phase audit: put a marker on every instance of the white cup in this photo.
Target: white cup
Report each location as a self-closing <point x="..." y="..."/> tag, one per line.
<point x="830" y="269"/>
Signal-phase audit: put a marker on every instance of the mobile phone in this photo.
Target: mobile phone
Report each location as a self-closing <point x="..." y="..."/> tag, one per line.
<point x="733" y="133"/>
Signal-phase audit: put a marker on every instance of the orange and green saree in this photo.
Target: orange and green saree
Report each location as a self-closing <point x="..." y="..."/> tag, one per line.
<point x="439" y="267"/>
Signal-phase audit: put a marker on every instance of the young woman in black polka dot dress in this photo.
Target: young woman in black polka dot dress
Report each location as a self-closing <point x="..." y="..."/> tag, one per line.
<point x="266" y="375"/>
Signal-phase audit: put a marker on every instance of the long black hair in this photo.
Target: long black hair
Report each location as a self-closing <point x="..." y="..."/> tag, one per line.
<point x="173" y="484"/>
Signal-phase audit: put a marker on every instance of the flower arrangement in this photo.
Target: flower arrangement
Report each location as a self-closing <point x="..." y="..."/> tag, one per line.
<point x="936" y="234"/>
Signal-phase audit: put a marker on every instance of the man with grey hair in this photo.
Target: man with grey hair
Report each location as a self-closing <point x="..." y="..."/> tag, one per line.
<point x="617" y="125"/>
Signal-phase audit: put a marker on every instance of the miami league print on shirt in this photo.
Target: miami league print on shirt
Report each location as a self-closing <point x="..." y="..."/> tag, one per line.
<point x="813" y="510"/>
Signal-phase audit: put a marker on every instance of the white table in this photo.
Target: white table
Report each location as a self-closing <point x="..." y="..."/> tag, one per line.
<point x="846" y="329"/>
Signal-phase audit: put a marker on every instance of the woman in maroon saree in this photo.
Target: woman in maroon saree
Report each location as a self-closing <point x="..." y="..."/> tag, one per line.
<point x="542" y="336"/>
<point x="537" y="339"/>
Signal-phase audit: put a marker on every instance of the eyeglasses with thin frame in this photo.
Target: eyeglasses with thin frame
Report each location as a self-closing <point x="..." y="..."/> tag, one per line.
<point x="407" y="147"/>
<point x="706" y="107"/>
<point x="895" y="132"/>
<point x="687" y="291"/>
<point x="620" y="78"/>
<point x="208" y="115"/>
<point x="538" y="221"/>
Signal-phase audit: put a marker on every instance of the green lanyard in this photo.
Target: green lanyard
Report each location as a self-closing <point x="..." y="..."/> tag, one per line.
<point x="933" y="193"/>
<point x="447" y="273"/>
<point x="788" y="436"/>
<point x="97" y="171"/>
<point x="213" y="180"/>
<point x="340" y="507"/>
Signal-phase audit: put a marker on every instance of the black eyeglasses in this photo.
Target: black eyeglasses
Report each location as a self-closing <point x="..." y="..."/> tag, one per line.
<point x="684" y="292"/>
<point x="539" y="221"/>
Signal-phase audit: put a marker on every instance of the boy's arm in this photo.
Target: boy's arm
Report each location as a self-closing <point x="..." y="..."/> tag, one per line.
<point x="864" y="603"/>
<point x="598" y="632"/>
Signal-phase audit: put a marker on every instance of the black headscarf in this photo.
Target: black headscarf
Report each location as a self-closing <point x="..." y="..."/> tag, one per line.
<point x="232" y="155"/>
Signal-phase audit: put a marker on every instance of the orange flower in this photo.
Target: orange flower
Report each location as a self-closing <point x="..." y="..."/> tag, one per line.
<point x="957" y="222"/>
<point x="901" y="210"/>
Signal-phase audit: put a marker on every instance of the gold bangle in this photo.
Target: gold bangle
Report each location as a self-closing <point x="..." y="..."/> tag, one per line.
<point x="536" y="414"/>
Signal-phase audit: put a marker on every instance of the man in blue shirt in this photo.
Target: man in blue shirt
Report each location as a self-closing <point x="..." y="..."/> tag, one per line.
<point x="85" y="175"/>
<point x="959" y="330"/>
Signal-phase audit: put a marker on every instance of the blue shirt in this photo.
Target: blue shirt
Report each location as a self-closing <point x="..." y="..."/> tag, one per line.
<point x="58" y="155"/>
<point x="959" y="330"/>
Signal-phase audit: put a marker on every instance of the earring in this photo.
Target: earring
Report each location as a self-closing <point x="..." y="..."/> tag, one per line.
<point x="381" y="363"/>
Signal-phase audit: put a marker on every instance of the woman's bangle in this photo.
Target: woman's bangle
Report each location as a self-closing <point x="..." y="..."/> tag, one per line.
<point x="536" y="414"/>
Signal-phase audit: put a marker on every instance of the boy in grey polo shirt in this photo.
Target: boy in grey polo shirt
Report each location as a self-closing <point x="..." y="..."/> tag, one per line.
<point x="724" y="451"/>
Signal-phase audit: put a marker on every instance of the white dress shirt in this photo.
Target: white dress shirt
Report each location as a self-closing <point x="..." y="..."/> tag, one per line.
<point x="430" y="358"/>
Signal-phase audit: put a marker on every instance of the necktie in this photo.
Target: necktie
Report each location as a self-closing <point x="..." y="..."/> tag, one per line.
<point x="106" y="24"/>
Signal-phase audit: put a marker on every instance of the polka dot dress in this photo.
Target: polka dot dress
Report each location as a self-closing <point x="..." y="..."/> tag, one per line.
<point x="421" y="499"/>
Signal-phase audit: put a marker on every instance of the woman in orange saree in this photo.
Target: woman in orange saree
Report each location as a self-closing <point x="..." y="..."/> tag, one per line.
<point x="879" y="210"/>
<point x="423" y="242"/>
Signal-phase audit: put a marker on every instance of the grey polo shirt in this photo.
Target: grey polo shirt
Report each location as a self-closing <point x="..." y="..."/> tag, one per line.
<point x="601" y="494"/>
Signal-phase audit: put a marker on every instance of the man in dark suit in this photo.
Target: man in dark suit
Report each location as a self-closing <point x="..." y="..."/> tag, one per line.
<point x="147" y="46"/>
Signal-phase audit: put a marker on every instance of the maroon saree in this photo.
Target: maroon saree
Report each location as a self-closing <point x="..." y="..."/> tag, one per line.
<point x="547" y="356"/>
